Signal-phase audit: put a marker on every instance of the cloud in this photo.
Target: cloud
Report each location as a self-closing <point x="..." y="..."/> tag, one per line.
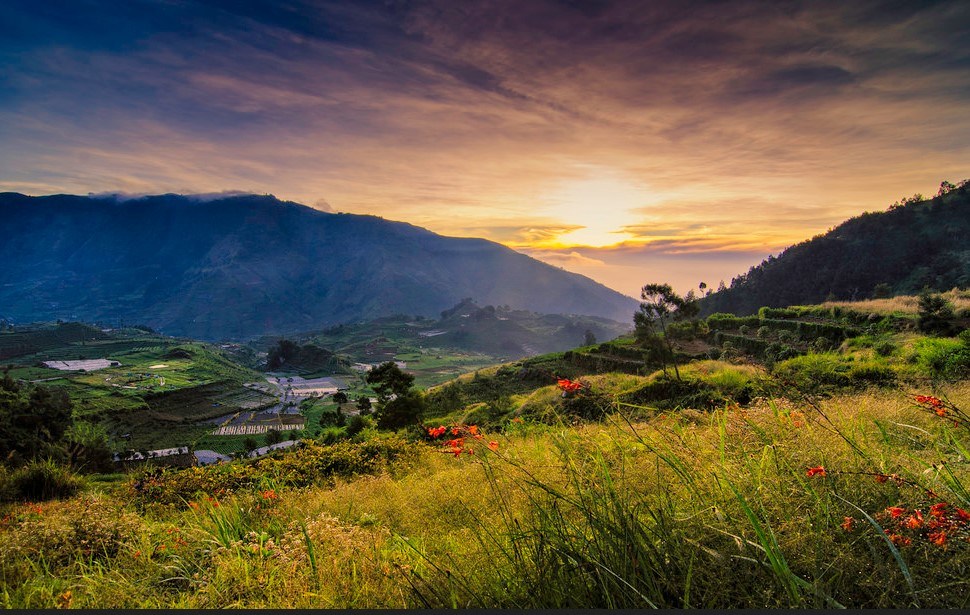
<point x="566" y="260"/>
<point x="323" y="205"/>
<point x="752" y="125"/>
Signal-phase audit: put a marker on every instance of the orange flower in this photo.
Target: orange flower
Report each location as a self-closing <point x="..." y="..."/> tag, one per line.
<point x="936" y="510"/>
<point x="940" y="411"/>
<point x="895" y="511"/>
<point x="137" y="554"/>
<point x="881" y="478"/>
<point x="816" y="471"/>
<point x="963" y="516"/>
<point x="914" y="522"/>
<point x="493" y="445"/>
<point x="473" y="429"/>
<point x="194" y="505"/>
<point x="456" y="451"/>
<point x="517" y="419"/>
<point x="270" y="494"/>
<point x="455" y="431"/>
<point x="937" y="538"/>
<point x="929" y="400"/>
<point x="900" y="541"/>
<point x="568" y="385"/>
<point x="848" y="523"/>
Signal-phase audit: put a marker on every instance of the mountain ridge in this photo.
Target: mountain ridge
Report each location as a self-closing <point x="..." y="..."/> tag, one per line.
<point x="242" y="266"/>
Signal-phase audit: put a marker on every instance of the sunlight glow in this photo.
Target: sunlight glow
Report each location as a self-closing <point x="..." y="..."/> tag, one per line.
<point x="602" y="202"/>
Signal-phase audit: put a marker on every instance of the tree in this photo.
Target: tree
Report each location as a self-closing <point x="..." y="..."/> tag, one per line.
<point x="589" y="338"/>
<point x="285" y="350"/>
<point x="33" y="421"/>
<point x="389" y="380"/>
<point x="363" y="404"/>
<point x="273" y="436"/>
<point x="399" y="406"/>
<point x="249" y="445"/>
<point x="660" y="307"/>
<point x="340" y="397"/>
<point x="935" y="312"/>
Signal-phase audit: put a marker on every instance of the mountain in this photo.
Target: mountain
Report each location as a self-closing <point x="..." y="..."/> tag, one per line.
<point x="243" y="266"/>
<point x="915" y="244"/>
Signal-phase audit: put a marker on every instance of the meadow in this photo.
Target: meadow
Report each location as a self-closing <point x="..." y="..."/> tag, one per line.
<point x="856" y="500"/>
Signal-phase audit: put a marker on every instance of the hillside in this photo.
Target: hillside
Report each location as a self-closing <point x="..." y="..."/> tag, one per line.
<point x="915" y="244"/>
<point x="243" y="266"/>
<point x="500" y="332"/>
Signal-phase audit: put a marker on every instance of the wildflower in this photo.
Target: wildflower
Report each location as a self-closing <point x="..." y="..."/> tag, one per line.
<point x="881" y="478"/>
<point x="470" y="451"/>
<point x="473" y="429"/>
<point x="517" y="419"/>
<point x="816" y="471"/>
<point x="935" y="402"/>
<point x="895" y="511"/>
<point x="936" y="510"/>
<point x="194" y="505"/>
<point x="937" y="538"/>
<point x="915" y="521"/>
<point x="963" y="516"/>
<point x="270" y="494"/>
<point x="455" y="431"/>
<point x="493" y="445"/>
<point x="900" y="541"/>
<point x="848" y="523"/>
<point x="456" y="451"/>
<point x="137" y="554"/>
<point x="568" y="386"/>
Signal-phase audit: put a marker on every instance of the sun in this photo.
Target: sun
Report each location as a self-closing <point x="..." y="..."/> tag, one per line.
<point x="601" y="202"/>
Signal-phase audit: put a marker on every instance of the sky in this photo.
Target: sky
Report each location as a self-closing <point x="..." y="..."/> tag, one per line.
<point x="630" y="141"/>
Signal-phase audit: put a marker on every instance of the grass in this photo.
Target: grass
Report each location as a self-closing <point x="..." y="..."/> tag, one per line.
<point x="681" y="510"/>
<point x="902" y="304"/>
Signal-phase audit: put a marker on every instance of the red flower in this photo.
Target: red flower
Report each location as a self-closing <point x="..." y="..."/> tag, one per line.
<point x="929" y="400"/>
<point x="456" y="451"/>
<point x="936" y="510"/>
<point x="848" y="523"/>
<point x="900" y="541"/>
<point x="493" y="445"/>
<point x="816" y="471"/>
<point x="895" y="511"/>
<point x="568" y="385"/>
<point x="881" y="478"/>
<point x="915" y="521"/>
<point x="455" y="431"/>
<point x="937" y="538"/>
<point x="963" y="516"/>
<point x="473" y="429"/>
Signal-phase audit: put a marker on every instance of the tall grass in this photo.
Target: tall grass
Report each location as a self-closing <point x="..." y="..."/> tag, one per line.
<point x="684" y="509"/>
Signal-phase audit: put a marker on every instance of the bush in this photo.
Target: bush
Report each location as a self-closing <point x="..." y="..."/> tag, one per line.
<point x="764" y="333"/>
<point x="744" y="329"/>
<point x="40" y="481"/>
<point x="942" y="357"/>
<point x="884" y="348"/>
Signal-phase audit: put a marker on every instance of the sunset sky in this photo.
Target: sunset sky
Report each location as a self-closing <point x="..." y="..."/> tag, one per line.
<point x="632" y="142"/>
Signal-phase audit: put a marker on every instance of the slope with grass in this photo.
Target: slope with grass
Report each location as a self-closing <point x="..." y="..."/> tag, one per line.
<point x="813" y="504"/>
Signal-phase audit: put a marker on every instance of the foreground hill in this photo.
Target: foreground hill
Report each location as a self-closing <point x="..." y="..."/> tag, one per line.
<point x="916" y="244"/>
<point x="244" y="266"/>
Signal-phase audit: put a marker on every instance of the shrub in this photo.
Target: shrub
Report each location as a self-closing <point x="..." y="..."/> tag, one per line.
<point x="942" y="357"/>
<point x="884" y="348"/>
<point x="40" y="481"/>
<point x="787" y="337"/>
<point x="744" y="330"/>
<point x="764" y="333"/>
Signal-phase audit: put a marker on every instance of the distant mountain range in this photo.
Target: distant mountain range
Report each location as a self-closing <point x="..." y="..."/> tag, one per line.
<point x="915" y="244"/>
<point x="243" y="266"/>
